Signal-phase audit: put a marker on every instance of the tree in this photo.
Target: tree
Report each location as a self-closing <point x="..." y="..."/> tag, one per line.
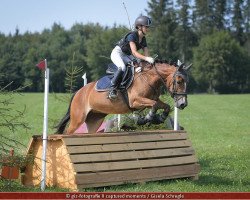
<point x="99" y="48"/>
<point x="246" y="15"/>
<point x="221" y="64"/>
<point x="209" y="15"/>
<point x="219" y="14"/>
<point x="186" y="37"/>
<point x="14" y="66"/>
<point x="162" y="39"/>
<point x="238" y="22"/>
<point x="203" y="17"/>
<point x="11" y="122"/>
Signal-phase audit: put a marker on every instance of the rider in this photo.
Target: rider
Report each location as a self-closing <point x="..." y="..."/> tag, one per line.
<point x="127" y="49"/>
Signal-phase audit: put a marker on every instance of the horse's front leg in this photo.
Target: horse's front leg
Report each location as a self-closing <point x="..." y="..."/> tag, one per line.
<point x="166" y="110"/>
<point x="155" y="118"/>
<point x="141" y="103"/>
<point x="149" y="117"/>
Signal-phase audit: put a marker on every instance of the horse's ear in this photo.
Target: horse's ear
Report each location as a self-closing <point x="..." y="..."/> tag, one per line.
<point x="181" y="67"/>
<point x="188" y="67"/>
<point x="179" y="62"/>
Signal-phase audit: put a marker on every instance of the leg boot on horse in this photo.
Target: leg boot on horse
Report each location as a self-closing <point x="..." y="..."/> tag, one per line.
<point x="115" y="82"/>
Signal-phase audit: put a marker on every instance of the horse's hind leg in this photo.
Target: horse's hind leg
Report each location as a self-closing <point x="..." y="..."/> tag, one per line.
<point x="94" y="121"/>
<point x="78" y="113"/>
<point x="76" y="120"/>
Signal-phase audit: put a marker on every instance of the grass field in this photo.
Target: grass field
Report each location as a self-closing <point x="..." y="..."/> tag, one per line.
<point x="218" y="126"/>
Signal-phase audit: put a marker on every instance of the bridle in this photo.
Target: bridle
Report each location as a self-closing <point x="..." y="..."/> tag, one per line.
<point x="174" y="93"/>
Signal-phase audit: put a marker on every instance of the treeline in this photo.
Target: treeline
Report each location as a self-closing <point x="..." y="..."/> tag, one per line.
<point x="214" y="35"/>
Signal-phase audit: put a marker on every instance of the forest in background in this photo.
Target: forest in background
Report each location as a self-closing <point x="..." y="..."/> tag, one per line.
<point x="214" y="35"/>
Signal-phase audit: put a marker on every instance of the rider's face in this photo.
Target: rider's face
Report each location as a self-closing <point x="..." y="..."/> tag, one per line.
<point x="145" y="29"/>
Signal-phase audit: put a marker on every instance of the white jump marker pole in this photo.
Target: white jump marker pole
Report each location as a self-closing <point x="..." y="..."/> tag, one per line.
<point x="119" y="122"/>
<point x="45" y="127"/>
<point x="175" y="118"/>
<point x="176" y="109"/>
<point x="84" y="76"/>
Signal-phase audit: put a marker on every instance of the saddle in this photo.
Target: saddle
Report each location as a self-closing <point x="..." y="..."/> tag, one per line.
<point x="104" y="83"/>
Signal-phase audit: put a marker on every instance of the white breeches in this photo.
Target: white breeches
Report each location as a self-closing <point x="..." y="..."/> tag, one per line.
<point x="119" y="58"/>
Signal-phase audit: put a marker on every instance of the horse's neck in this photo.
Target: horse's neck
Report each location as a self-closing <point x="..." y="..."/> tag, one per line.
<point x="151" y="75"/>
<point x="158" y="72"/>
<point x="162" y="71"/>
<point x="165" y="69"/>
<point x="151" y="78"/>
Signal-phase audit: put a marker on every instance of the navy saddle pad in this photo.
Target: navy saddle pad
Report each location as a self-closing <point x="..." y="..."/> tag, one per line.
<point x="104" y="83"/>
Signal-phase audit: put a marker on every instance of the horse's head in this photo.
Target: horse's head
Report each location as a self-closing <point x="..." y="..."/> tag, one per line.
<point x="175" y="79"/>
<point x="177" y="85"/>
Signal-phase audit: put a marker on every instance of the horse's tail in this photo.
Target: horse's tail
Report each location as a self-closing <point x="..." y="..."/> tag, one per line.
<point x="63" y="123"/>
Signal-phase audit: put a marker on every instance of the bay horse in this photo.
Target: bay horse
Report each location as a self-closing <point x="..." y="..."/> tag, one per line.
<point x="90" y="106"/>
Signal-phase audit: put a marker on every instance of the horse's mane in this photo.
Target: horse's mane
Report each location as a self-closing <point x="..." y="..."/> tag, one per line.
<point x="166" y="62"/>
<point x="159" y="61"/>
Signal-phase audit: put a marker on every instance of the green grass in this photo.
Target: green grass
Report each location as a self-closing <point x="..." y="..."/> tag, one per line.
<point x="219" y="129"/>
<point x="218" y="126"/>
<point x="33" y="103"/>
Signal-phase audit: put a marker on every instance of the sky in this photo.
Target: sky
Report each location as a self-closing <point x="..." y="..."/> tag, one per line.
<point x="36" y="15"/>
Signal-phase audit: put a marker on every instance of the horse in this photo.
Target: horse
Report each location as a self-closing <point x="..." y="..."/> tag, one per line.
<point x="90" y="106"/>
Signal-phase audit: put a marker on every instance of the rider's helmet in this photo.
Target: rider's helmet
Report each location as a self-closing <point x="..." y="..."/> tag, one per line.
<point x="143" y="21"/>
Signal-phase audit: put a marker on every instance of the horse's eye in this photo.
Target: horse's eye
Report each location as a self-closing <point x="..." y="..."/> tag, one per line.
<point x="180" y="81"/>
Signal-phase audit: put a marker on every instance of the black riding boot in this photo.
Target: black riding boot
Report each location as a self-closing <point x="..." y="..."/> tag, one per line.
<point x="115" y="82"/>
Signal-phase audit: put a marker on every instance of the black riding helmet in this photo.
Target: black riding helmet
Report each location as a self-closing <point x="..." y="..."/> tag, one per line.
<point x="143" y="21"/>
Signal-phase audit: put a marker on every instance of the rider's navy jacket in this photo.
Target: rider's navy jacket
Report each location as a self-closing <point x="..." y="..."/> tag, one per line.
<point x="131" y="37"/>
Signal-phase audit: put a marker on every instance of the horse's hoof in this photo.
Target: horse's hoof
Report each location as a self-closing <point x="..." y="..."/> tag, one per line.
<point x="156" y="120"/>
<point x="126" y="127"/>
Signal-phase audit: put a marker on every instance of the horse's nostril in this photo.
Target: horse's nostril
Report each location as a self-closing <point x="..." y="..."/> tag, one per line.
<point x="182" y="106"/>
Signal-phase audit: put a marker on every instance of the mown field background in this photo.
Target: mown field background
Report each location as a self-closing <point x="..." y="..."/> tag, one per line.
<point x="218" y="126"/>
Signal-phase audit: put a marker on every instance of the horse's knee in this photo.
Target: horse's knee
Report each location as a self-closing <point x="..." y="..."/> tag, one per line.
<point x="167" y="109"/>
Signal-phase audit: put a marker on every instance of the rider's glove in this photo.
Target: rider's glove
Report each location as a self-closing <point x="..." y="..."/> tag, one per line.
<point x="150" y="60"/>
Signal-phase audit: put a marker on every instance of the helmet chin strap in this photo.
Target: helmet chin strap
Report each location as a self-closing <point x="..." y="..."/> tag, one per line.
<point x="142" y="31"/>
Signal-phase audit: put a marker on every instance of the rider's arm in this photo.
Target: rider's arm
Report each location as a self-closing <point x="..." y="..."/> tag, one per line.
<point x="134" y="51"/>
<point x="146" y="52"/>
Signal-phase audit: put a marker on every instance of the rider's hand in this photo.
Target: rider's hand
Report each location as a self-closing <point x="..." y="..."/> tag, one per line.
<point x="150" y="60"/>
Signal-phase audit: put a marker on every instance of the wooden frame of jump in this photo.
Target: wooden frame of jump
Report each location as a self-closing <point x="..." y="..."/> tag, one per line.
<point x="96" y="160"/>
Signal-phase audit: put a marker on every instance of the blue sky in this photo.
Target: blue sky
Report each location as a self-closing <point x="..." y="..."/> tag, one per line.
<point x="35" y="15"/>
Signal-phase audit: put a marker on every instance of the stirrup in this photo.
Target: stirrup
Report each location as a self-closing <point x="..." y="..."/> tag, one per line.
<point x="112" y="94"/>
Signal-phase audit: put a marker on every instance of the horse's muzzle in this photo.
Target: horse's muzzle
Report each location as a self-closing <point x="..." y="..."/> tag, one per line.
<point x="181" y="102"/>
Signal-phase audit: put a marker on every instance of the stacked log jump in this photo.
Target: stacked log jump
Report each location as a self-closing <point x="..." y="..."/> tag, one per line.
<point x="95" y="160"/>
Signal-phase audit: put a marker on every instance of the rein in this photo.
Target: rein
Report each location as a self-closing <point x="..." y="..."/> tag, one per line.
<point x="151" y="87"/>
<point x="165" y="87"/>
